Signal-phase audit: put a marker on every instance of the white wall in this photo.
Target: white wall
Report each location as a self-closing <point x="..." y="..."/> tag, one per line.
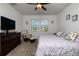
<point x="68" y="25"/>
<point x="8" y="11"/>
<point x="52" y="27"/>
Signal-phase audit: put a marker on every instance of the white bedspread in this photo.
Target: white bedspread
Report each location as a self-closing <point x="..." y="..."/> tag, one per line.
<point x="50" y="45"/>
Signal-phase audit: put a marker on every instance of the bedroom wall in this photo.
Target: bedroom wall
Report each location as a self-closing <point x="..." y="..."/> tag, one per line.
<point x="52" y="27"/>
<point x="9" y="12"/>
<point x="68" y="25"/>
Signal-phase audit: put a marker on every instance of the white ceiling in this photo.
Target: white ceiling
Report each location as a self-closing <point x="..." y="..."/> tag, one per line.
<point x="52" y="8"/>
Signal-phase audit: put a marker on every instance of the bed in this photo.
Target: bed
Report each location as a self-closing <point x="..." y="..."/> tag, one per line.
<point x="51" y="45"/>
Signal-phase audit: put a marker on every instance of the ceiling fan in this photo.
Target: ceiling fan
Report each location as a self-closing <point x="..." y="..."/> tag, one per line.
<point x="39" y="6"/>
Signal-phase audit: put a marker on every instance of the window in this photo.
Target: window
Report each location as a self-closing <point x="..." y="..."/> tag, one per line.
<point x="40" y="25"/>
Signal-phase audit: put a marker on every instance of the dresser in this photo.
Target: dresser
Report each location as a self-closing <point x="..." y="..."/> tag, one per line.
<point x="8" y="42"/>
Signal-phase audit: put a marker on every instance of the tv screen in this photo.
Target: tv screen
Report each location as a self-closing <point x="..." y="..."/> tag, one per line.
<point x="7" y="24"/>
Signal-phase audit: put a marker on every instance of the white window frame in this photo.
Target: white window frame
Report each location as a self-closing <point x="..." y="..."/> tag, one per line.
<point x="39" y="29"/>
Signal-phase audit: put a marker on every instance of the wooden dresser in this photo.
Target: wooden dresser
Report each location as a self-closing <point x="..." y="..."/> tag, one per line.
<point x="8" y="42"/>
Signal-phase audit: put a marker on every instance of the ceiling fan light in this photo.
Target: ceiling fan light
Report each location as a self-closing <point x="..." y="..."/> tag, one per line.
<point x="39" y="6"/>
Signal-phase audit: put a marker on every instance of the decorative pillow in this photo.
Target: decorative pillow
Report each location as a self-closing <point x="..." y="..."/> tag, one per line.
<point x="71" y="36"/>
<point x="59" y="33"/>
<point x="77" y="40"/>
<point x="64" y="34"/>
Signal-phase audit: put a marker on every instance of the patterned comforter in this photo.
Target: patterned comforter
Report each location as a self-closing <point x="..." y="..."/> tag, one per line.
<point x="51" y="45"/>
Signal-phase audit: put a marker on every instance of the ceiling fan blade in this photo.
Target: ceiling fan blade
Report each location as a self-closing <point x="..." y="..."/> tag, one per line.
<point x="44" y="8"/>
<point x="12" y="3"/>
<point x="45" y="3"/>
<point x="38" y="3"/>
<point x="32" y="3"/>
<point x="35" y="8"/>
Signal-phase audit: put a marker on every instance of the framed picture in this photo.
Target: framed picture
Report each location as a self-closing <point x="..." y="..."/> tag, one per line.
<point x="74" y="17"/>
<point x="68" y="17"/>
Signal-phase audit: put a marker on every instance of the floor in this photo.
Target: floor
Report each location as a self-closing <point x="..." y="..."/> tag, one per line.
<point x="24" y="49"/>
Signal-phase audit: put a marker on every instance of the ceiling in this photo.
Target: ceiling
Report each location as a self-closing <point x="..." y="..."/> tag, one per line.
<point x="52" y="8"/>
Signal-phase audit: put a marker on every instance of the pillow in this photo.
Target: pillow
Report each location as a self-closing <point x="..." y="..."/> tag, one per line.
<point x="77" y="40"/>
<point x="59" y="33"/>
<point x="64" y="34"/>
<point x="71" y="36"/>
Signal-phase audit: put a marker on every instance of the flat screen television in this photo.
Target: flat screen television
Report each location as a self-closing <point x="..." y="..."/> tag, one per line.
<point x="7" y="24"/>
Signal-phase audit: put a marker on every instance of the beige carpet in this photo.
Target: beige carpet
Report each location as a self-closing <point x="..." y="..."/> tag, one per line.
<point x="24" y="49"/>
